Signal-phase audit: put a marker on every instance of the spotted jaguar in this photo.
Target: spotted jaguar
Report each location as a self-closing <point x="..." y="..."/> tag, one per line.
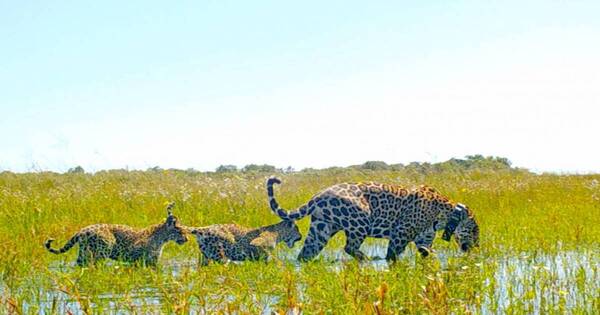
<point x="378" y="210"/>
<point x="124" y="243"/>
<point x="222" y="242"/>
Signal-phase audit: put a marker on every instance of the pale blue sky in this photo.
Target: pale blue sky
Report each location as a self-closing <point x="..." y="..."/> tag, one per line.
<point x="307" y="84"/>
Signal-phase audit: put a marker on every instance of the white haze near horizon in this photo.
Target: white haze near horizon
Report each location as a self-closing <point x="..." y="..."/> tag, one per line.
<point x="531" y="95"/>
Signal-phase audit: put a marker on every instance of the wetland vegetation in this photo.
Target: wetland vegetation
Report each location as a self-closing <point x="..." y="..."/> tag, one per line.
<point x="539" y="253"/>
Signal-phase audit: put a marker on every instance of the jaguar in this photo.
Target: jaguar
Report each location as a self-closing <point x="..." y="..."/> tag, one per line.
<point x="124" y="243"/>
<point x="222" y="242"/>
<point x="371" y="209"/>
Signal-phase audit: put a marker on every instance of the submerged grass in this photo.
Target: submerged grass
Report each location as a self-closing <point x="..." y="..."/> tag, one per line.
<point x="539" y="249"/>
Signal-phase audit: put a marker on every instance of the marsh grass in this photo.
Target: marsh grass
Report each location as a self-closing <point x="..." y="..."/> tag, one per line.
<point x="539" y="249"/>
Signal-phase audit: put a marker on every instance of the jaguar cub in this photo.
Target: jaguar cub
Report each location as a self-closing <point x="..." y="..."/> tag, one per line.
<point x="221" y="242"/>
<point x="122" y="242"/>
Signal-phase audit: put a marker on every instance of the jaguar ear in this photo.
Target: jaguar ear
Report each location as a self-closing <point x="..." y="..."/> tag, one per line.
<point x="170" y="207"/>
<point x="170" y="217"/>
<point x="171" y="220"/>
<point x="461" y="211"/>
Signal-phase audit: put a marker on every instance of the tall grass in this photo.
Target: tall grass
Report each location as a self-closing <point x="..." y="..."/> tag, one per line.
<point x="539" y="249"/>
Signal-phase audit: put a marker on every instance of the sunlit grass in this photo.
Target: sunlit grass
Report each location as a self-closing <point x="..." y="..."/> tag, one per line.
<point x="539" y="251"/>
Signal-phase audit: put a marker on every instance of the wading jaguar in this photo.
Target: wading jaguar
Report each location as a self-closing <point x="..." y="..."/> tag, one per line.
<point x="377" y="210"/>
<point x="221" y="242"/>
<point x="122" y="242"/>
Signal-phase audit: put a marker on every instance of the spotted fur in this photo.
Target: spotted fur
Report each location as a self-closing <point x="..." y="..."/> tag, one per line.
<point x="122" y="242"/>
<point x="382" y="211"/>
<point x="221" y="242"/>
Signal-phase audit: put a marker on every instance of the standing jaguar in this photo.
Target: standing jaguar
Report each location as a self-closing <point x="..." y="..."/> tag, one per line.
<point x="383" y="211"/>
<point x="122" y="242"/>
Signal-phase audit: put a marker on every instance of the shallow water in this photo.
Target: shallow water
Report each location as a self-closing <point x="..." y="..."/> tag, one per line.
<point x="549" y="277"/>
<point x="517" y="275"/>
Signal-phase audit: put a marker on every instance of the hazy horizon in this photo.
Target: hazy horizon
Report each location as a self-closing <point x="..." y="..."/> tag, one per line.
<point x="239" y="168"/>
<point x="135" y="85"/>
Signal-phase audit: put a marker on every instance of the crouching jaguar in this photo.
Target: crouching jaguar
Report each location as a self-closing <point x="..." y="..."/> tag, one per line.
<point x="122" y="242"/>
<point x="382" y="211"/>
<point x="221" y="242"/>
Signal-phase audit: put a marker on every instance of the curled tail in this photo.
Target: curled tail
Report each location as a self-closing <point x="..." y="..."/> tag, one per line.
<point x="65" y="248"/>
<point x="293" y="215"/>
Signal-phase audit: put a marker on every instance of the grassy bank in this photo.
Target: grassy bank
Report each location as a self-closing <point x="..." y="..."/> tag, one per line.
<point x="540" y="249"/>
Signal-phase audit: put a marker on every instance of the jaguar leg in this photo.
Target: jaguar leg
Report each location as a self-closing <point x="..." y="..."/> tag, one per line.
<point x="319" y="234"/>
<point x="424" y="242"/>
<point x="84" y="257"/>
<point x="353" y="242"/>
<point x="399" y="239"/>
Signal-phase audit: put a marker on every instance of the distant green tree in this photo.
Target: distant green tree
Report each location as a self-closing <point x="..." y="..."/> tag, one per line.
<point x="155" y="169"/>
<point x="475" y="157"/>
<point x="419" y="167"/>
<point x="191" y="171"/>
<point x="264" y="168"/>
<point x="227" y="169"/>
<point x="471" y="162"/>
<point x="76" y="170"/>
<point x="396" y="167"/>
<point x="503" y="161"/>
<point x="375" y="165"/>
